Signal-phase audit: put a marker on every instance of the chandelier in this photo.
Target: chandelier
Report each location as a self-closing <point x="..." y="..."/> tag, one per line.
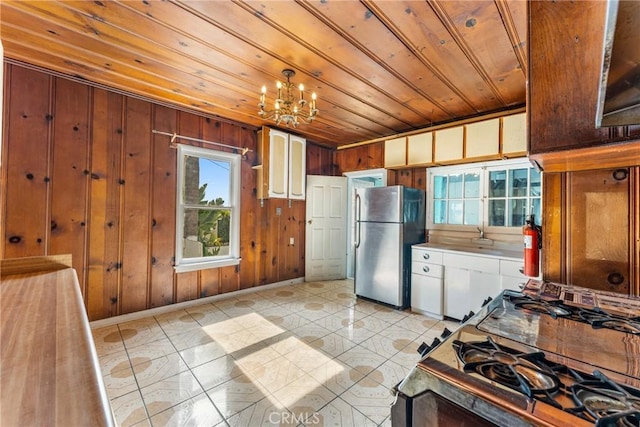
<point x="286" y="108"/>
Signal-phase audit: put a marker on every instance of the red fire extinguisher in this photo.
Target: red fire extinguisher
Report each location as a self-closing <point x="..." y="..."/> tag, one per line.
<point x="532" y="245"/>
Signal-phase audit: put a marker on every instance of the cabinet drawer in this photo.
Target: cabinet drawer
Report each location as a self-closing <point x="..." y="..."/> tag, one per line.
<point x="511" y="268"/>
<point x="426" y="255"/>
<point x="426" y="269"/>
<point x="472" y="263"/>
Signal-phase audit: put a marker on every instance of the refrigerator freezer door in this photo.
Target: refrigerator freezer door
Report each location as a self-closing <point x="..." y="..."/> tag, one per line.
<point x="379" y="204"/>
<point x="379" y="265"/>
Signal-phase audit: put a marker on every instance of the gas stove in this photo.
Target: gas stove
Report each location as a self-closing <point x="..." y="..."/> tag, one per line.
<point x="552" y="355"/>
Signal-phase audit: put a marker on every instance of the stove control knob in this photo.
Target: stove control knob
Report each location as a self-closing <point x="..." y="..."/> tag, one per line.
<point x="445" y="333"/>
<point x="467" y="317"/>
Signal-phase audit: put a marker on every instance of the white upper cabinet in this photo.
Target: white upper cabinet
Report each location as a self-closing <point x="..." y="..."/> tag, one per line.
<point x="483" y="139"/>
<point x="420" y="149"/>
<point x="297" y="167"/>
<point x="449" y="144"/>
<point x="514" y="134"/>
<point x="282" y="172"/>
<point x="395" y="152"/>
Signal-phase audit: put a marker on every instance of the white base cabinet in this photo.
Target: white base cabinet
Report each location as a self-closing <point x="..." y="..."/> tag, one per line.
<point x="446" y="283"/>
<point x="426" y="284"/>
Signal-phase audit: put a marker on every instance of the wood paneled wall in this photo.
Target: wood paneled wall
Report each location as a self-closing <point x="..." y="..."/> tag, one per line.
<point x="82" y="173"/>
<point x="371" y="156"/>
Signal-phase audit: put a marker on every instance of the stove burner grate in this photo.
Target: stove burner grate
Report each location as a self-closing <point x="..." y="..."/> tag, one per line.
<point x="528" y="373"/>
<point x="593" y="397"/>
<point x="606" y="402"/>
<point x="596" y="317"/>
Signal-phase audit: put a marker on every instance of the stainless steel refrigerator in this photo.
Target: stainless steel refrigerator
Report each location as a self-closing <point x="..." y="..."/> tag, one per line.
<point x="388" y="221"/>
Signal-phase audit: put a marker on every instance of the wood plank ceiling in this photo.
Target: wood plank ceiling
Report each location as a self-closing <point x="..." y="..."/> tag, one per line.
<point x="379" y="67"/>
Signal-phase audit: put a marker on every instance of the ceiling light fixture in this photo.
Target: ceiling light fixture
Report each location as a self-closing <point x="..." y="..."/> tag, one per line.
<point x="287" y="109"/>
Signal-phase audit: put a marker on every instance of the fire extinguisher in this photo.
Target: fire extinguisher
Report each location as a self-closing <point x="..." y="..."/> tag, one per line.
<point x="532" y="245"/>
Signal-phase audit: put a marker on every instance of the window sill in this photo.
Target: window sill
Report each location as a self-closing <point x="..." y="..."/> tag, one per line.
<point x="184" y="268"/>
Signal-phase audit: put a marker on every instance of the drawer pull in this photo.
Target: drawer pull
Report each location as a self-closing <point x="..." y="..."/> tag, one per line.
<point x="425" y="269"/>
<point x="425" y="256"/>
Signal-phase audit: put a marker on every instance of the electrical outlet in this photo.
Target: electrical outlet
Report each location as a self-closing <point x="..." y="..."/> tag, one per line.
<point x="291" y="241"/>
<point x="278" y="211"/>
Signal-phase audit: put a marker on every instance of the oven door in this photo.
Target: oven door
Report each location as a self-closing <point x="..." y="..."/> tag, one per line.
<point x="428" y="409"/>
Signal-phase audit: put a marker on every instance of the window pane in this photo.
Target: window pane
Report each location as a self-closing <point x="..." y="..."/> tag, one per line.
<point x="206" y="181"/>
<point x="440" y="187"/>
<point x="535" y="183"/>
<point x="518" y="208"/>
<point x="455" y="186"/>
<point x="206" y="232"/>
<point x="217" y="173"/>
<point x="471" y="185"/>
<point x="455" y="212"/>
<point x="440" y="212"/>
<point x="496" y="212"/>
<point x="497" y="183"/>
<point x="518" y="182"/>
<point x="472" y="212"/>
<point x="536" y="210"/>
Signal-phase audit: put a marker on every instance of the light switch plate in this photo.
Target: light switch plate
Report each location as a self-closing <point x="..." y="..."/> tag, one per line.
<point x="278" y="211"/>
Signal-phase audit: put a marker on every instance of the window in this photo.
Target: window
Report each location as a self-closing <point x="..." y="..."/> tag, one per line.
<point x="208" y="209"/>
<point x="491" y="194"/>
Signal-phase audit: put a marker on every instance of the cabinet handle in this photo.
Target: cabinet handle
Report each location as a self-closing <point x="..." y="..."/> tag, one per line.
<point x="425" y="256"/>
<point x="425" y="269"/>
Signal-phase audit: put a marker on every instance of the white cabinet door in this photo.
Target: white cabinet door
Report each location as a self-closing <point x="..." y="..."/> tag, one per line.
<point x="278" y="164"/>
<point x="483" y="285"/>
<point x="420" y="149"/>
<point x="514" y="134"/>
<point x="483" y="139"/>
<point x="395" y="152"/>
<point x="457" y="301"/>
<point x="297" y="167"/>
<point x="449" y="144"/>
<point x="426" y="295"/>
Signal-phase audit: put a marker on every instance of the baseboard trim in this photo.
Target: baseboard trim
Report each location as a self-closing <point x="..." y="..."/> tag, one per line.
<point x="186" y="304"/>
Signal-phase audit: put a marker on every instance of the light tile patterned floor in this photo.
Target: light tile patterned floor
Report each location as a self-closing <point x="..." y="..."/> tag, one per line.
<point x="309" y="354"/>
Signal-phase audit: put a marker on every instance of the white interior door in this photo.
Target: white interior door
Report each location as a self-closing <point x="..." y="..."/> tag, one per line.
<point x="326" y="231"/>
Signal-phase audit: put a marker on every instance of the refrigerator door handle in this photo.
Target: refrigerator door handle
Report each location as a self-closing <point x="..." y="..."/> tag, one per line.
<point x="358" y="207"/>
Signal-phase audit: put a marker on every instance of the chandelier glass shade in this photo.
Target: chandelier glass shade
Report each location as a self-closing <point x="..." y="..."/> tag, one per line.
<point x="289" y="107"/>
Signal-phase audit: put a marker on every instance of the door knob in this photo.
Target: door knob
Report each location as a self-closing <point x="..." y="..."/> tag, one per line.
<point x="310" y="221"/>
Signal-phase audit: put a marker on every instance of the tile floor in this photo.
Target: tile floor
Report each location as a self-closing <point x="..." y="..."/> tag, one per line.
<point x="308" y="354"/>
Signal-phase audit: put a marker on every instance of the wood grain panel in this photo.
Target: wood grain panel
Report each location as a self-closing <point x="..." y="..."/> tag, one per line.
<point x="598" y="218"/>
<point x="50" y="373"/>
<point x="27" y="120"/>
<point x="137" y="213"/>
<point x="163" y="221"/>
<point x="248" y="271"/>
<point x="209" y="282"/>
<point x="70" y="173"/>
<point x="186" y="286"/>
<point x="565" y="41"/>
<point x="104" y="257"/>
<point x="375" y="155"/>
<point x="554" y="227"/>
<point x="129" y="194"/>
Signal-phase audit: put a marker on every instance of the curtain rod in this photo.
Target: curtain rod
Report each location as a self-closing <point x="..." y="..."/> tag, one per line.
<point x="175" y="136"/>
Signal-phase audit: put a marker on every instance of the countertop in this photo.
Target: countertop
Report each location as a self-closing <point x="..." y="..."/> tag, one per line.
<point x="488" y="251"/>
<point x="49" y="371"/>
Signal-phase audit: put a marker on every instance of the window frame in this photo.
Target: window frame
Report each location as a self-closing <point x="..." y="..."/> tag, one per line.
<point x="215" y="261"/>
<point x="485" y="168"/>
